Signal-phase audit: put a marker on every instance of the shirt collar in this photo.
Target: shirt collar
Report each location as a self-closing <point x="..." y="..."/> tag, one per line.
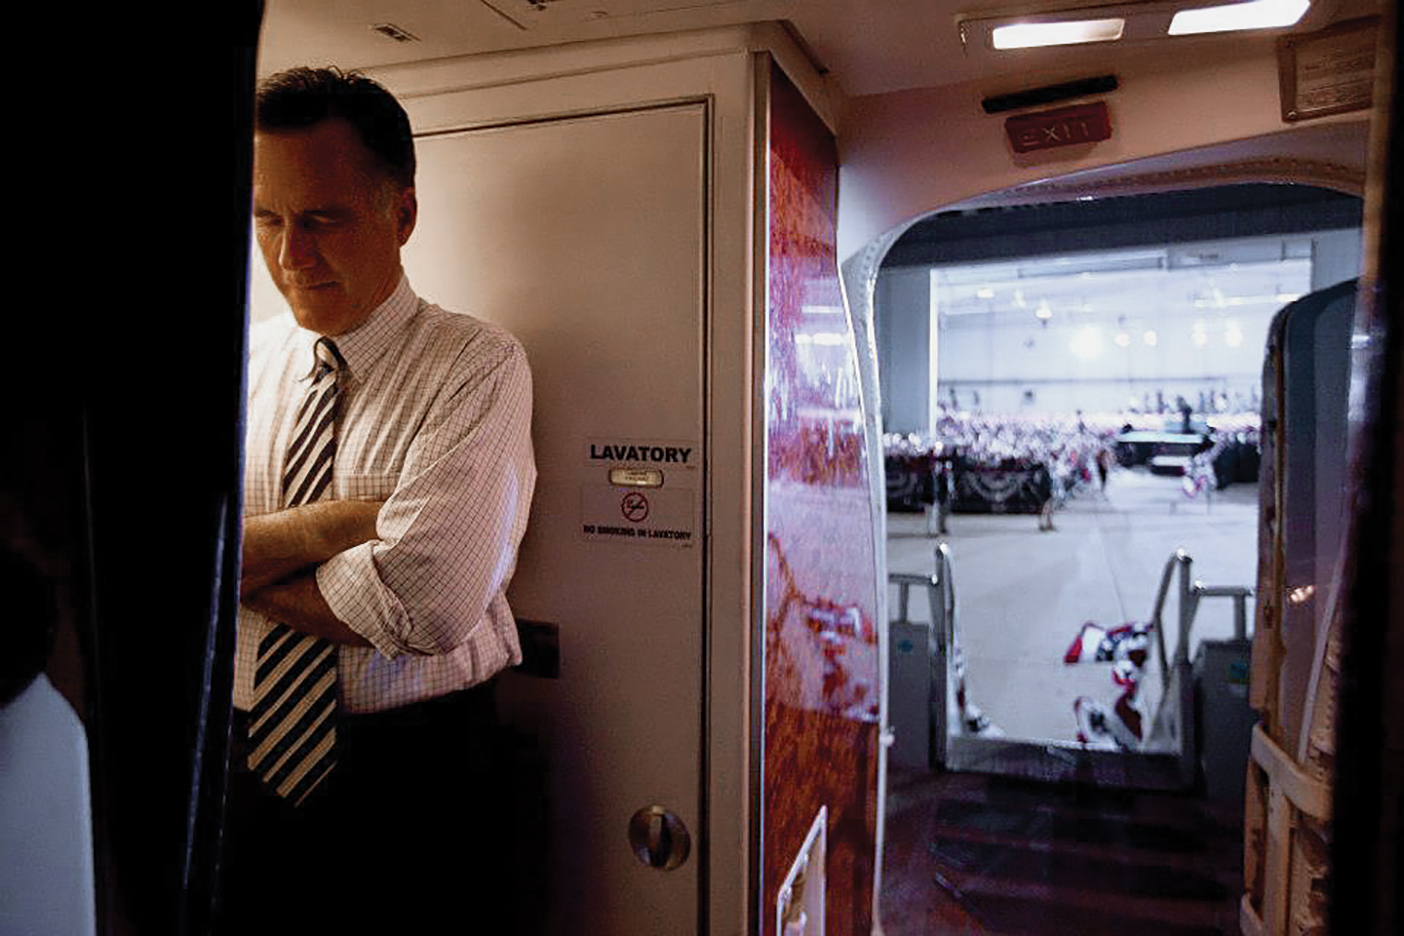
<point x="362" y="347"/>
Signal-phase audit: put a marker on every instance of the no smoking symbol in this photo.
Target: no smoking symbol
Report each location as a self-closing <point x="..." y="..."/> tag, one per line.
<point x="635" y="507"/>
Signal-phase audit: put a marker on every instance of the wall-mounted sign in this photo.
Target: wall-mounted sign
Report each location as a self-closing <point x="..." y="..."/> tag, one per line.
<point x="1327" y="72"/>
<point x="637" y="452"/>
<point x="660" y="517"/>
<point x="641" y="491"/>
<point x="1063" y="126"/>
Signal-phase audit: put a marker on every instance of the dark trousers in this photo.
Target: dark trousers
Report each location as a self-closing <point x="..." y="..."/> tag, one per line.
<point x="405" y="836"/>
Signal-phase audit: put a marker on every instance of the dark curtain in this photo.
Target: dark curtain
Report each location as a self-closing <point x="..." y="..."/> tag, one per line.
<point x="163" y="184"/>
<point x="1369" y="790"/>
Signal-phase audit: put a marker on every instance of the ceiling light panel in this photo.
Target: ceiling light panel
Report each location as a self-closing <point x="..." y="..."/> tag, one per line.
<point x="1133" y="22"/>
<point x="1072" y="32"/>
<point x="1256" y="14"/>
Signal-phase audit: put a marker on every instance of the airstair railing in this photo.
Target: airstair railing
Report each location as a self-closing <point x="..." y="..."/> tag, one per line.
<point x="1191" y="592"/>
<point x="1179" y="690"/>
<point x="1174" y="721"/>
<point x="941" y="596"/>
<point x="940" y="586"/>
<point x="1179" y="559"/>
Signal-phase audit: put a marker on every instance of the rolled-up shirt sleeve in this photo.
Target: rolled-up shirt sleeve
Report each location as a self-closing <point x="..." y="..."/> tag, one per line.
<point x="447" y="536"/>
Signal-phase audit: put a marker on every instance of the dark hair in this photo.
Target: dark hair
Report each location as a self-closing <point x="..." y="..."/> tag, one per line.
<point x="304" y="97"/>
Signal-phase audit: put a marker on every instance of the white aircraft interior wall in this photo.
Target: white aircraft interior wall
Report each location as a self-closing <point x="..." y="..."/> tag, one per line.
<point x="890" y="143"/>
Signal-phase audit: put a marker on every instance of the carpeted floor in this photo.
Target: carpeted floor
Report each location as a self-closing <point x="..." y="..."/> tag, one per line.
<point x="976" y="854"/>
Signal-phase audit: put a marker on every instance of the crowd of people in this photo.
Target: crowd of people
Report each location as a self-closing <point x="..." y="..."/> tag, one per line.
<point x="1003" y="459"/>
<point x="975" y="455"/>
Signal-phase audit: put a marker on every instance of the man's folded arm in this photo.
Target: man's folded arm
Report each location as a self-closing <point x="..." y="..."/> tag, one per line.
<point x="280" y="545"/>
<point x="447" y="538"/>
<point x="298" y="602"/>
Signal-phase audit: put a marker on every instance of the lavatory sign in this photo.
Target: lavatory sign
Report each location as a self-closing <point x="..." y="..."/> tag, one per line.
<point x="640" y="491"/>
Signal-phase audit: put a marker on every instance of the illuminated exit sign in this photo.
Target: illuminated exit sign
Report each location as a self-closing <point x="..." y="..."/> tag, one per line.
<point x="1065" y="126"/>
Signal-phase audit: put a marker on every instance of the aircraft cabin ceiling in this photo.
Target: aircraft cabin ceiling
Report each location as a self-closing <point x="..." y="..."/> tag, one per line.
<point x="866" y="46"/>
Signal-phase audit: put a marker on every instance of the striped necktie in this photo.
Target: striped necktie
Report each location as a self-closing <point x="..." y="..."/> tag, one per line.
<point x="292" y="725"/>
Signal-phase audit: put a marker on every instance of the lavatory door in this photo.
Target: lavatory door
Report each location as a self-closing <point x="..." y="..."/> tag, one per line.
<point x="586" y="237"/>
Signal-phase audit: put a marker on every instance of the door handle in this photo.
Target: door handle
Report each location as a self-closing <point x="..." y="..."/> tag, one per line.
<point x="658" y="838"/>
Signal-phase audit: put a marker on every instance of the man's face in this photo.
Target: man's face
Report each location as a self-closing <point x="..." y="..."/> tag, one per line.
<point x="330" y="227"/>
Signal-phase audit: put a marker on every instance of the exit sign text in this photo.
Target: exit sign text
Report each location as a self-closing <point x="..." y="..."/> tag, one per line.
<point x="1065" y="126"/>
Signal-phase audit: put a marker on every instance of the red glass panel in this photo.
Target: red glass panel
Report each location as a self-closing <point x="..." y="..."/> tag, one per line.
<point x="821" y="732"/>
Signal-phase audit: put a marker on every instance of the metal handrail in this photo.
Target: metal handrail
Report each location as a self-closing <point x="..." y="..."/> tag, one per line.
<point x="940" y="587"/>
<point x="1240" y="595"/>
<point x="904" y="582"/>
<point x="1179" y="557"/>
<point x="948" y="598"/>
<point x="942" y="581"/>
<point x="1190" y="593"/>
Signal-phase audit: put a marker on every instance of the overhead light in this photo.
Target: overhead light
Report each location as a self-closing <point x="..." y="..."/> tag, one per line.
<point x="1043" y="311"/>
<point x="1068" y="32"/>
<point x="1087" y="343"/>
<point x="1151" y="338"/>
<point x="985" y="292"/>
<point x="1135" y="21"/>
<point x="1122" y="339"/>
<point x="1233" y="335"/>
<point x="1256" y="14"/>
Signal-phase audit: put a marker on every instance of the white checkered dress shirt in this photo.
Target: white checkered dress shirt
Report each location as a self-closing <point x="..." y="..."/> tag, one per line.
<point x="435" y="420"/>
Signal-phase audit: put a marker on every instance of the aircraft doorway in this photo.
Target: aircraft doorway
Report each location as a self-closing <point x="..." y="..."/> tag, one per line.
<point x="1149" y="355"/>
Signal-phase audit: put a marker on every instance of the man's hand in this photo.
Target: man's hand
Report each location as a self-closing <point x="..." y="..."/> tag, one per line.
<point x="280" y="545"/>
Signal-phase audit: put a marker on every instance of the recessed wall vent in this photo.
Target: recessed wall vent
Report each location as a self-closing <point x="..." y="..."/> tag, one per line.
<point x="1049" y="94"/>
<point x="559" y="14"/>
<point x="523" y="14"/>
<point x="398" y="33"/>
